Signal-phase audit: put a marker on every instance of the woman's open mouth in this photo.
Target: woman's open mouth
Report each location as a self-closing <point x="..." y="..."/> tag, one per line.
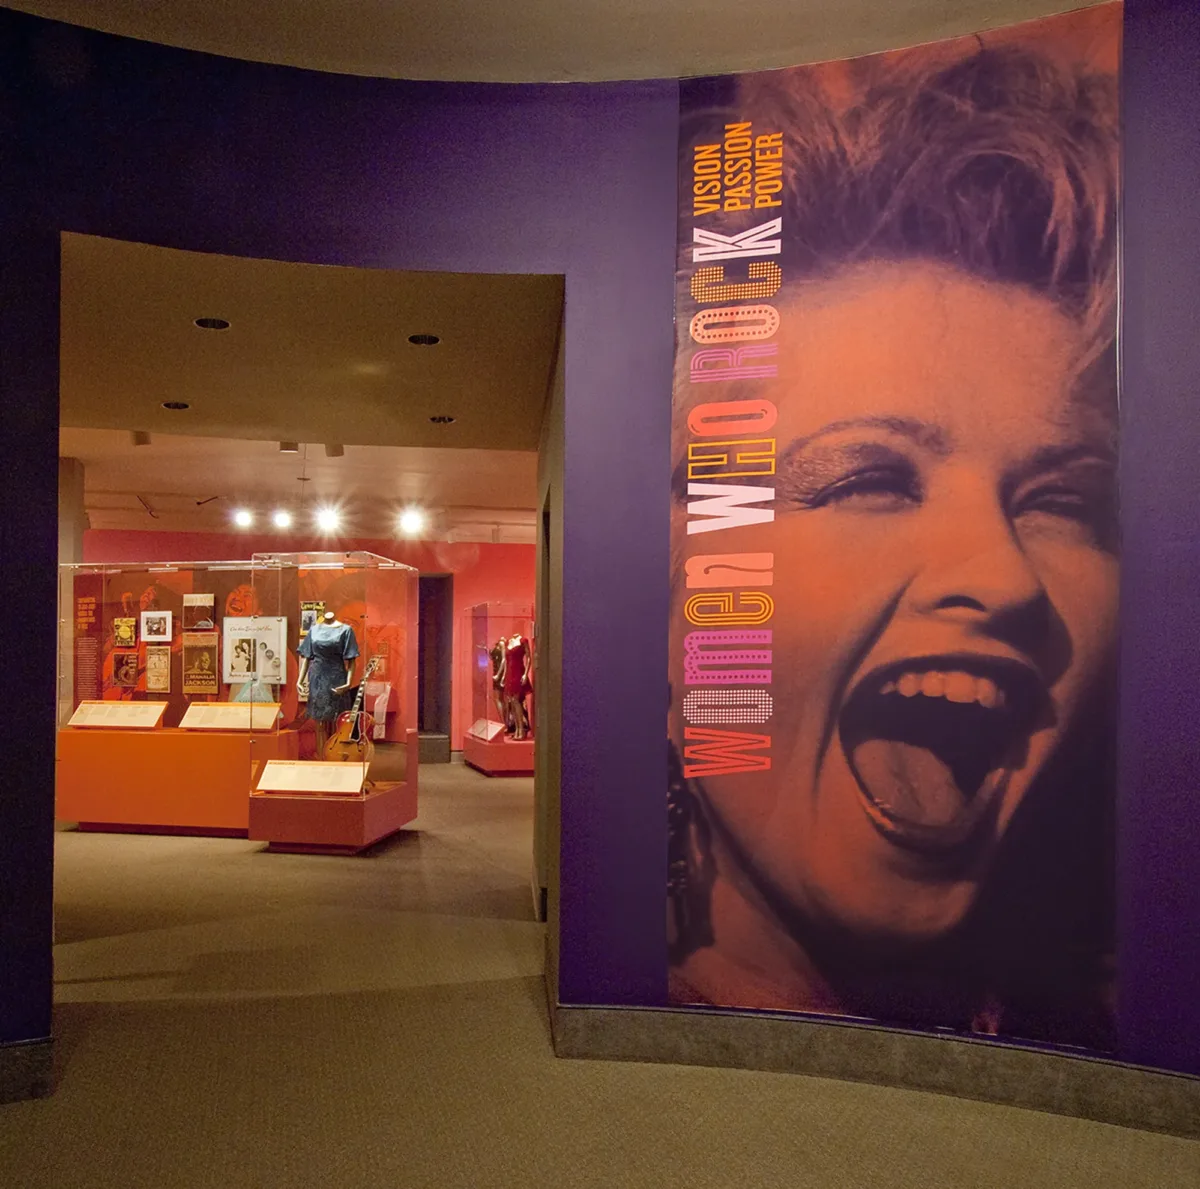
<point x="932" y="742"/>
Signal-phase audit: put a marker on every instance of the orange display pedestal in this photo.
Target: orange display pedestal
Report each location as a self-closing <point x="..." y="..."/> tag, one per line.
<point x="505" y="757"/>
<point x="309" y="823"/>
<point x="162" y="780"/>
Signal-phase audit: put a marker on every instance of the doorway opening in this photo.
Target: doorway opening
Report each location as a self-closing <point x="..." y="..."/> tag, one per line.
<point x="435" y="662"/>
<point x="243" y="408"/>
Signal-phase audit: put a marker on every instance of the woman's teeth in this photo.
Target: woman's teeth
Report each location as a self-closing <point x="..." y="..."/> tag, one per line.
<point x="954" y="685"/>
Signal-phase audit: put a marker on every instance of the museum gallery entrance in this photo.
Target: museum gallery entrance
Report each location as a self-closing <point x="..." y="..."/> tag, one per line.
<point x="287" y="496"/>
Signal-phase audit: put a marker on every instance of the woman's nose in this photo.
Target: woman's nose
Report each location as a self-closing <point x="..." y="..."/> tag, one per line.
<point x="973" y="565"/>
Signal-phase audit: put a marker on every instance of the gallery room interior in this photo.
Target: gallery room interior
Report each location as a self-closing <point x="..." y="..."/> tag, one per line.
<point x="612" y="610"/>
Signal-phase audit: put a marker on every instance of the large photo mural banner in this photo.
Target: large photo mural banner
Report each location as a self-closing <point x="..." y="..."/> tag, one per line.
<point x="894" y="537"/>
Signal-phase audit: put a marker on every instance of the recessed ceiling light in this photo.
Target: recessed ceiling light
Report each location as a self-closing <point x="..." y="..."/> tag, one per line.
<point x="212" y="323"/>
<point x="328" y="519"/>
<point x="243" y="518"/>
<point x="282" y="519"/>
<point x="441" y="418"/>
<point x="176" y="405"/>
<point x="424" y="340"/>
<point x="412" y="521"/>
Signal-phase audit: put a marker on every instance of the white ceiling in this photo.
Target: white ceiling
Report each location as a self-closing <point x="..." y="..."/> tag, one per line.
<point x="315" y="355"/>
<point x="541" y="40"/>
<point x="194" y="484"/>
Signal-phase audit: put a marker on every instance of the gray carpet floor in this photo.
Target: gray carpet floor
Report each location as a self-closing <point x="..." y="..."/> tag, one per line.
<point x="231" y="1018"/>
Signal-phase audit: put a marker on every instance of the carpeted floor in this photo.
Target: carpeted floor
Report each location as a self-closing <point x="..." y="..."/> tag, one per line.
<point x="230" y="1018"/>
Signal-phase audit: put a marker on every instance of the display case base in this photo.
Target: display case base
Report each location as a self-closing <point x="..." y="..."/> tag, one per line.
<point x="331" y="825"/>
<point x="504" y="757"/>
<point x="159" y="781"/>
<point x="171" y="831"/>
<point x="314" y="824"/>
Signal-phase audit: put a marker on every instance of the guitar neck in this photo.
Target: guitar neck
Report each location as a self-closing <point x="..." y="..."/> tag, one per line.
<point x="362" y="685"/>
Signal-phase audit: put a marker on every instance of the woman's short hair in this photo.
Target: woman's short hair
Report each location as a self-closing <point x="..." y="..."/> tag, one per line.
<point x="1003" y="164"/>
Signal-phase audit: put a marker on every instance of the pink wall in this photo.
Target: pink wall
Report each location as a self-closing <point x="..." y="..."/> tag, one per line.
<point x="482" y="573"/>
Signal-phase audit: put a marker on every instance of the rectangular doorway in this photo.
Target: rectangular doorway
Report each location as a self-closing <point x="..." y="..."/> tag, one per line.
<point x="435" y="632"/>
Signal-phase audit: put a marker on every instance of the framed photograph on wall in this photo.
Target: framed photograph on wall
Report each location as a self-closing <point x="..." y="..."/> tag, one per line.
<point x="156" y="627"/>
<point x="254" y="648"/>
<point x="310" y="612"/>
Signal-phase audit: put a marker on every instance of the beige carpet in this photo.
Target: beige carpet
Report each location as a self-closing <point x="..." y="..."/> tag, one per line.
<point x="231" y="1018"/>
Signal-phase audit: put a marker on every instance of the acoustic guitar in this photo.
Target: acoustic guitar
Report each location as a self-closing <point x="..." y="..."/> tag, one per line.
<point x="351" y="740"/>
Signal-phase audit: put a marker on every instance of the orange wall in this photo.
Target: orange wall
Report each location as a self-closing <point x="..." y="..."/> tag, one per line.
<point x="482" y="573"/>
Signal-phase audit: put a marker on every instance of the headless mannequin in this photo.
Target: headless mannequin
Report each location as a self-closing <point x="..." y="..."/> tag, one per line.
<point x="497" y="658"/>
<point x="516" y="685"/>
<point x="324" y="726"/>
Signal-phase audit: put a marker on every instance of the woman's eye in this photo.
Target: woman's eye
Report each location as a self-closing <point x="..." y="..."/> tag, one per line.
<point x="877" y="489"/>
<point x="1060" y="501"/>
<point x="1089" y="506"/>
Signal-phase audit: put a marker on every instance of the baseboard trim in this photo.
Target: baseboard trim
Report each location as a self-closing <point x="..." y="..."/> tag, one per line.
<point x="26" y="1070"/>
<point x="1084" y="1087"/>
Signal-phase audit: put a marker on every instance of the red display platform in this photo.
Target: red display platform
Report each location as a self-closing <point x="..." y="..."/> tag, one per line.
<point x="165" y="780"/>
<point x="505" y="757"/>
<point x="314" y="824"/>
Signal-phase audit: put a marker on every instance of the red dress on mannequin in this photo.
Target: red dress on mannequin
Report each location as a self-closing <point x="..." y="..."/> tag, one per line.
<point x="515" y="656"/>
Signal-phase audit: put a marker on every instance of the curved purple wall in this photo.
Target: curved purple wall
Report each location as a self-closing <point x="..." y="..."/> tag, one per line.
<point x="126" y="139"/>
<point x="113" y="137"/>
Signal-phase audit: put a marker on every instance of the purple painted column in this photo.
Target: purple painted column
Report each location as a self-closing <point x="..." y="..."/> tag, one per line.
<point x="1159" y="812"/>
<point x="29" y="264"/>
<point x="616" y="576"/>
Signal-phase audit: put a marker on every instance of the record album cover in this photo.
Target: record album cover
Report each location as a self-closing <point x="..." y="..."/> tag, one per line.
<point x="125" y="669"/>
<point x="198" y="612"/>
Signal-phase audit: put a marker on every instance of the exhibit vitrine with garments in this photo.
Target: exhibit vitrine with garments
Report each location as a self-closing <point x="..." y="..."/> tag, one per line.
<point x="240" y="696"/>
<point x="500" y="660"/>
<point x="354" y="687"/>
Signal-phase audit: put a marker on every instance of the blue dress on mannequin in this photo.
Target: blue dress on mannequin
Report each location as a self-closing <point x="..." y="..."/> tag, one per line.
<point x="329" y="648"/>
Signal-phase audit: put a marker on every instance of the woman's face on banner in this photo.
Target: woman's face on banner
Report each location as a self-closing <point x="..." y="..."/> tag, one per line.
<point x="945" y="589"/>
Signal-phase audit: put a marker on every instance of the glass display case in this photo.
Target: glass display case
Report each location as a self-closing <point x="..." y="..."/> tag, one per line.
<point x="351" y="695"/>
<point x="339" y="630"/>
<point x="180" y="683"/>
<point x="500" y="659"/>
<point x="147" y="633"/>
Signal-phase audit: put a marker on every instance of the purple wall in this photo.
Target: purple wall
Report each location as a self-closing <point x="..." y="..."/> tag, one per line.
<point x="121" y="138"/>
<point x="126" y="139"/>
<point x="1159" y="822"/>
